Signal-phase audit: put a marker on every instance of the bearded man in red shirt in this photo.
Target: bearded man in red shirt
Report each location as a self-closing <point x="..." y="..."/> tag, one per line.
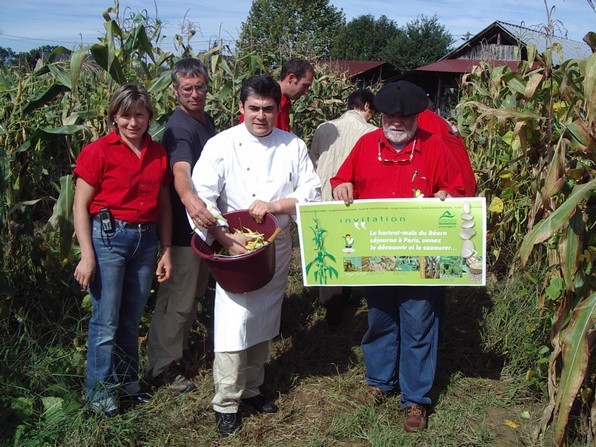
<point x="400" y="160"/>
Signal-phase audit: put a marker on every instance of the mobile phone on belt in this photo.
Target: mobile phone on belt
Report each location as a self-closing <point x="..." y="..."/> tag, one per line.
<point x="105" y="217"/>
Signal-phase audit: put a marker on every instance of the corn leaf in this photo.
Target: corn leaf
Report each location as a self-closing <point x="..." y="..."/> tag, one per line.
<point x="161" y="83"/>
<point x="544" y="229"/>
<point x="62" y="215"/>
<point x="60" y="76"/>
<point x="516" y="85"/>
<point x="532" y="85"/>
<point x="112" y="30"/>
<point x="553" y="183"/>
<point x="142" y="41"/>
<point x="156" y="130"/>
<point x="590" y="90"/>
<point x="575" y="354"/>
<point x="164" y="57"/>
<point x="46" y="97"/>
<point x="579" y="136"/>
<point x="532" y="52"/>
<point x="103" y="57"/>
<point x="4" y="177"/>
<point x="70" y="129"/>
<point x="56" y="51"/>
<point x="569" y="251"/>
<point x="76" y="62"/>
<point x="80" y="117"/>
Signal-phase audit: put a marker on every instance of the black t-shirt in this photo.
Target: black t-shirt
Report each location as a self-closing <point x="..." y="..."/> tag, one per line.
<point x="184" y="138"/>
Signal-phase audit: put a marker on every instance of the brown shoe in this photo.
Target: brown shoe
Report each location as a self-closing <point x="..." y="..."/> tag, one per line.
<point x="415" y="418"/>
<point x="374" y="395"/>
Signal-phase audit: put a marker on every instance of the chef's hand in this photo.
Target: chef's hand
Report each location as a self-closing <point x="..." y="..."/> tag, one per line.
<point x="235" y="244"/>
<point x="232" y="243"/>
<point x="259" y="208"/>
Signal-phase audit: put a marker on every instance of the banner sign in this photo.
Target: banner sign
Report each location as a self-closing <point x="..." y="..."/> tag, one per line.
<point x="394" y="242"/>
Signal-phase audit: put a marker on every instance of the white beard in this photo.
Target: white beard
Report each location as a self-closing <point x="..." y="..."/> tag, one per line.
<point x="399" y="136"/>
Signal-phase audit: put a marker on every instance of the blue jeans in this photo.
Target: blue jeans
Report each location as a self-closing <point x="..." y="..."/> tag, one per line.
<point x="400" y="345"/>
<point x="124" y="273"/>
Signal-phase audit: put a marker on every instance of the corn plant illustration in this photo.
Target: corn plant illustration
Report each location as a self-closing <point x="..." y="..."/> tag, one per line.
<point x="322" y="270"/>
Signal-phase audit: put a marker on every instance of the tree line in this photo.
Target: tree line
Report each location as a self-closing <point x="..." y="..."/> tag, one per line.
<point x="25" y="59"/>
<point x="319" y="29"/>
<point x="282" y="29"/>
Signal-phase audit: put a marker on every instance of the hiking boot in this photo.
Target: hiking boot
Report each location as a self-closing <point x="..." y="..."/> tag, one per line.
<point x="107" y="407"/>
<point x="415" y="418"/>
<point x="128" y="401"/>
<point x="173" y="378"/>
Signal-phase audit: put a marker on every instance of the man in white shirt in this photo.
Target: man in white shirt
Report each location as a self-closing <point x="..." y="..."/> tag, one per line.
<point x="331" y="144"/>
<point x="258" y="167"/>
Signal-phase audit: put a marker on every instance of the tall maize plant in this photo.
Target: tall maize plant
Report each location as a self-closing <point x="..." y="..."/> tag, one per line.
<point x="532" y="135"/>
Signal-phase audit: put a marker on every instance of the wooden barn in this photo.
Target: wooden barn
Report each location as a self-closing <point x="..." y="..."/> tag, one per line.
<point x="498" y="44"/>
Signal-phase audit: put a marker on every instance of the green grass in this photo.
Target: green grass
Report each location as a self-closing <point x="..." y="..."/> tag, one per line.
<point x="316" y="375"/>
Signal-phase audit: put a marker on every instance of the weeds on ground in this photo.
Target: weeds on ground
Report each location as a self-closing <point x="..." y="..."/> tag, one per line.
<point x="517" y="327"/>
<point x="316" y="376"/>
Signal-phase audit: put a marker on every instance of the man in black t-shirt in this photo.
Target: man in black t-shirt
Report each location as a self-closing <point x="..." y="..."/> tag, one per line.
<point x="186" y="132"/>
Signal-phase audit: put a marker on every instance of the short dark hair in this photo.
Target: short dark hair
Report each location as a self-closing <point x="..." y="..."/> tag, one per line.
<point x="127" y="98"/>
<point x="188" y="67"/>
<point x="359" y="98"/>
<point x="299" y="67"/>
<point x="261" y="85"/>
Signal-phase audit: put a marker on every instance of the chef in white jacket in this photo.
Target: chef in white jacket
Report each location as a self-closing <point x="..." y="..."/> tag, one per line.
<point x="258" y="167"/>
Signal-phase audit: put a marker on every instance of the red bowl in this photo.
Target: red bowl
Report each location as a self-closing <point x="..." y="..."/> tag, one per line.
<point x="245" y="273"/>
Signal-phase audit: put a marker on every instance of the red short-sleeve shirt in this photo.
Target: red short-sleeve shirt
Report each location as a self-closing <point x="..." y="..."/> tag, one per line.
<point x="283" y="119"/>
<point x="432" y="122"/>
<point x="126" y="184"/>
<point x="423" y="167"/>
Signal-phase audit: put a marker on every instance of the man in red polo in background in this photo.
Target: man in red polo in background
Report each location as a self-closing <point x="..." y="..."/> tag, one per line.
<point x="295" y="79"/>
<point x="429" y="120"/>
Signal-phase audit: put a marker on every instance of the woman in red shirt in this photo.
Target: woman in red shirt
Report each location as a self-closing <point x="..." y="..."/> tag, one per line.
<point x="121" y="208"/>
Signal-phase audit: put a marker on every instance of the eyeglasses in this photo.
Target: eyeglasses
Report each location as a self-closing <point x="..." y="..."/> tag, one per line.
<point x="188" y="89"/>
<point x="394" y="160"/>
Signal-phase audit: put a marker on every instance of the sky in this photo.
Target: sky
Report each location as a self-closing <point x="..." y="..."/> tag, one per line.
<point x="28" y="24"/>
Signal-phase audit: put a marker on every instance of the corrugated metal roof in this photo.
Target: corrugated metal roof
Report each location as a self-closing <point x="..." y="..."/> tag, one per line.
<point x="572" y="49"/>
<point x="462" y="65"/>
<point x="352" y="67"/>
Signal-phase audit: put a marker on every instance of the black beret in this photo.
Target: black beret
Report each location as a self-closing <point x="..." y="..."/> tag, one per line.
<point x="401" y="97"/>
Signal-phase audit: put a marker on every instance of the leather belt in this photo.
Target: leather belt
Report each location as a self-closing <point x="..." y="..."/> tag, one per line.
<point x="140" y="227"/>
